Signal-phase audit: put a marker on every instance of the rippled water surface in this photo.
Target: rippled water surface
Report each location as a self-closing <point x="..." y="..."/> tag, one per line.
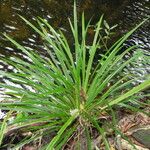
<point x="126" y="13"/>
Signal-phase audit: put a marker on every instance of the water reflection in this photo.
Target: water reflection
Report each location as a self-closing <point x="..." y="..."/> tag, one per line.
<point x="137" y="11"/>
<point x="127" y="13"/>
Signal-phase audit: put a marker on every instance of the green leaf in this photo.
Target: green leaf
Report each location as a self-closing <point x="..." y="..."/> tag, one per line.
<point x="106" y="25"/>
<point x="60" y="132"/>
<point x="4" y="126"/>
<point x="135" y="90"/>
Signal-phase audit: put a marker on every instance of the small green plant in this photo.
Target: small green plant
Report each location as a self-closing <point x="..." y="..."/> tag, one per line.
<point x="64" y="95"/>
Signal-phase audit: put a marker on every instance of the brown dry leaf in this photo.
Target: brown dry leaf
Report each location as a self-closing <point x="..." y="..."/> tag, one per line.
<point x="126" y="123"/>
<point x="112" y="148"/>
<point x="142" y="119"/>
<point x="130" y="121"/>
<point x="96" y="142"/>
<point x="29" y="148"/>
<point x="131" y="124"/>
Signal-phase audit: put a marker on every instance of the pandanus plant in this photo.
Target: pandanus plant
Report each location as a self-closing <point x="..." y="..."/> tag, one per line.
<point x="69" y="90"/>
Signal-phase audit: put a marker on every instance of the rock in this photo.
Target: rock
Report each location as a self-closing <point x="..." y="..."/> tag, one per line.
<point x="143" y="137"/>
<point x="127" y="146"/>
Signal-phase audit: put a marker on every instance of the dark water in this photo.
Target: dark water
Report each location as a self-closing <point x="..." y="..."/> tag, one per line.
<point x="126" y="13"/>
